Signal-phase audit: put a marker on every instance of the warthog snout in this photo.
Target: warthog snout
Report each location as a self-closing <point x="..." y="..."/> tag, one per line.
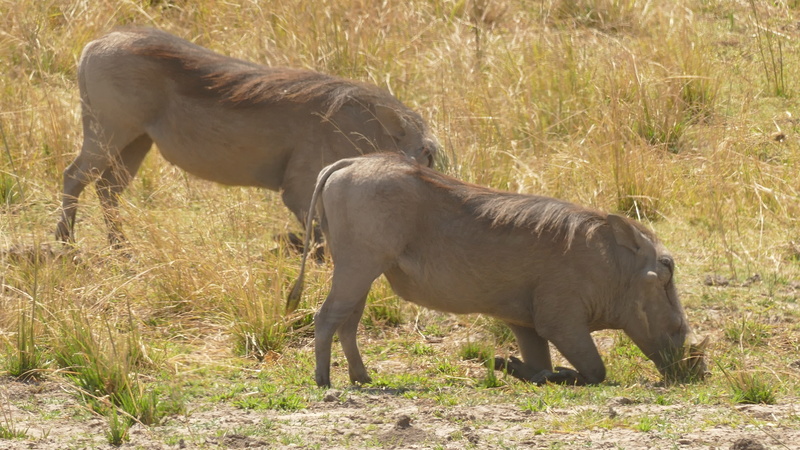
<point x="686" y="363"/>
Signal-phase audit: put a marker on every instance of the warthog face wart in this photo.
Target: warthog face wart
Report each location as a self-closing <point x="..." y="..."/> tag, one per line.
<point x="551" y="270"/>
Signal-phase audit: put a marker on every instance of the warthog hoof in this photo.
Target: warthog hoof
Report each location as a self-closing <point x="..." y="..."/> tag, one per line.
<point x="323" y="381"/>
<point x="562" y="375"/>
<point x="360" y="379"/>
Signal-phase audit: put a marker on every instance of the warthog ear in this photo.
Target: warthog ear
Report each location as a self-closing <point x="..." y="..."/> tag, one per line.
<point x="393" y="124"/>
<point x="699" y="349"/>
<point x="624" y="233"/>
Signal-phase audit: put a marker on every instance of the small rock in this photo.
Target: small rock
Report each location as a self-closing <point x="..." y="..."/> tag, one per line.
<point x="747" y="444"/>
<point x="716" y="280"/>
<point x="685" y="441"/>
<point x="622" y="401"/>
<point x="403" y="422"/>
<point x="332" y="395"/>
<point x="754" y="279"/>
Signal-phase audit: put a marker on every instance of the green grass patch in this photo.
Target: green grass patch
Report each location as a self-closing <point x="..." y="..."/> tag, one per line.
<point x="752" y="388"/>
<point x="10" y="432"/>
<point x="747" y="332"/>
<point x="419" y="349"/>
<point x="8" y="427"/>
<point x="10" y="192"/>
<point x="476" y="351"/>
<point x="26" y="360"/>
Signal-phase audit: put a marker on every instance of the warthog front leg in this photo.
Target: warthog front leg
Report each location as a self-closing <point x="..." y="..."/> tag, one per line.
<point x="296" y="243"/>
<point x="537" y="366"/>
<point x="534" y="348"/>
<point x="115" y="160"/>
<point x="518" y="369"/>
<point x="115" y="179"/>
<point x="577" y="346"/>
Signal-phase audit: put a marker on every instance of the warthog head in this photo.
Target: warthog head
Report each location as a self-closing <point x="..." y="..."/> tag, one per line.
<point x="409" y="133"/>
<point x="654" y="318"/>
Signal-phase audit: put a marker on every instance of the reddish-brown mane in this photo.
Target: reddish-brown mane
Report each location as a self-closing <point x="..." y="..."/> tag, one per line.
<point x="537" y="213"/>
<point x="203" y="73"/>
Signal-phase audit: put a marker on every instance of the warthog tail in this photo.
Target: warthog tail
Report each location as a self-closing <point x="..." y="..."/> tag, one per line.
<point x="294" y="296"/>
<point x="297" y="290"/>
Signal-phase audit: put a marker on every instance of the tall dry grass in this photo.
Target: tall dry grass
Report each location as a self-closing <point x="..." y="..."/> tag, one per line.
<point x="681" y="114"/>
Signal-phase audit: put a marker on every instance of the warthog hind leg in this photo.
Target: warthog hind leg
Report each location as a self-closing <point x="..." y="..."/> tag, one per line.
<point x="342" y="311"/>
<point x="347" y="336"/>
<point x="107" y="158"/>
<point x="85" y="169"/>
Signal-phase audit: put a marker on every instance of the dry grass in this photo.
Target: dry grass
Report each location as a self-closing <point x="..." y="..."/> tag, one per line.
<point x="682" y="114"/>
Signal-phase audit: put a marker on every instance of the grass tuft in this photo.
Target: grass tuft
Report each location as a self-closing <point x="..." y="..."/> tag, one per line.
<point x="384" y="312"/>
<point x="118" y="427"/>
<point x="545" y="398"/>
<point x="604" y="15"/>
<point x="105" y="365"/>
<point x="26" y="360"/>
<point x="752" y="388"/>
<point x="770" y="48"/>
<point x="491" y="381"/>
<point x="8" y="428"/>
<point x="476" y="351"/>
<point x="10" y="192"/>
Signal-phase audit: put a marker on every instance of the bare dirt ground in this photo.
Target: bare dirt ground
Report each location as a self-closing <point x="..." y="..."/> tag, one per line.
<point x="50" y="414"/>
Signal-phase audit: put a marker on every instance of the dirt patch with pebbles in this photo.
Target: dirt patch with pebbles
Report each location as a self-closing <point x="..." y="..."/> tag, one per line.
<point x="52" y="418"/>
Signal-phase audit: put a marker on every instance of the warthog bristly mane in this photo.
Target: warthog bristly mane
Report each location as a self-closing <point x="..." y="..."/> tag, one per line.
<point x="242" y="84"/>
<point x="540" y="214"/>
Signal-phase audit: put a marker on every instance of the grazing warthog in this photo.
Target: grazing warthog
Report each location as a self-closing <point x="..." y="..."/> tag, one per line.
<point x="551" y="270"/>
<point x="221" y="119"/>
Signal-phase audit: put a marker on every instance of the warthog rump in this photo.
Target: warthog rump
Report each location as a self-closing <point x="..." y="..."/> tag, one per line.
<point x="551" y="270"/>
<point x="221" y="119"/>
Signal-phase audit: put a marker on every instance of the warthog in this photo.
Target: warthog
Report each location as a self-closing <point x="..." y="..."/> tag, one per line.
<point x="221" y="119"/>
<point x="551" y="270"/>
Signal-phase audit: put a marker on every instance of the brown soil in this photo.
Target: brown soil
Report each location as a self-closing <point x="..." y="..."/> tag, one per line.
<point x="53" y="419"/>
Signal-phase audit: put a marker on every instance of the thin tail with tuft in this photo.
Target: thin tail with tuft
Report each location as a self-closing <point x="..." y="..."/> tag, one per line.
<point x="297" y="290"/>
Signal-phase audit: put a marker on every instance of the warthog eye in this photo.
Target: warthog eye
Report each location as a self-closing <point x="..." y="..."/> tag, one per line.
<point x="427" y="157"/>
<point x="667" y="261"/>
